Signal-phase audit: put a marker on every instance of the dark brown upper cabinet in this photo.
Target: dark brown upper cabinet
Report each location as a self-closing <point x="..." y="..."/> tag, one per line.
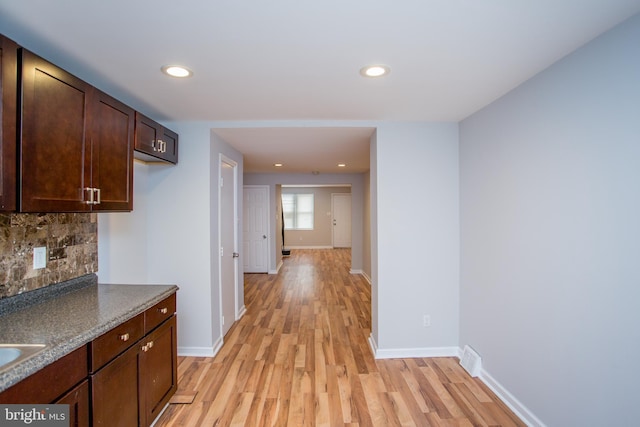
<point x="8" y="122"/>
<point x="76" y="146"/>
<point x="154" y="142"/>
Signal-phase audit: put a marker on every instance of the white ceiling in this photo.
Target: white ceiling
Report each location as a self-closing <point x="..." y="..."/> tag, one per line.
<point x="297" y="60"/>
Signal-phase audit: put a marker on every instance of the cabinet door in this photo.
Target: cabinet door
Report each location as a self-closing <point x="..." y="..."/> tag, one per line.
<point x="170" y="147"/>
<point x="158" y="376"/>
<point x="111" y="131"/>
<point x="154" y="143"/>
<point x="54" y="150"/>
<point x="114" y="391"/>
<point x="78" y="401"/>
<point x="8" y="106"/>
<point x="147" y="134"/>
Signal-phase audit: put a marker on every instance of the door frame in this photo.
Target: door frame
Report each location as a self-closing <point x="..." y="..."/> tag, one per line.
<point x="234" y="165"/>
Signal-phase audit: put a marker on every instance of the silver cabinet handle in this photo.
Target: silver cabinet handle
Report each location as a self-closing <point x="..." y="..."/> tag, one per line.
<point x="98" y="198"/>
<point x="90" y="201"/>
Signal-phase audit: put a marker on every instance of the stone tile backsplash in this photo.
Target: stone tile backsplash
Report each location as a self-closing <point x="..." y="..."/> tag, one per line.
<point x="71" y="240"/>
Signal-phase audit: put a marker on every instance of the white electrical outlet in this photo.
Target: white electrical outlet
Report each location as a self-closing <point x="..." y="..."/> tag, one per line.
<point x="426" y="320"/>
<point x="39" y="257"/>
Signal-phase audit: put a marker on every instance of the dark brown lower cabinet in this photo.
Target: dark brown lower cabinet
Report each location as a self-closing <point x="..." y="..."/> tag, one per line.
<point x="158" y="369"/>
<point x="114" y="391"/>
<point x="132" y="389"/>
<point x="78" y="401"/>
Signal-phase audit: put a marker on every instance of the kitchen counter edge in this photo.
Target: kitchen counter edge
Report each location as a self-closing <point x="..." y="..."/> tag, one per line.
<point x="64" y="341"/>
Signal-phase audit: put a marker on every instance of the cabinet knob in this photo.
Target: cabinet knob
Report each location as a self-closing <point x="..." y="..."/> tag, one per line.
<point x="124" y="337"/>
<point x="145" y="348"/>
<point x="163" y="310"/>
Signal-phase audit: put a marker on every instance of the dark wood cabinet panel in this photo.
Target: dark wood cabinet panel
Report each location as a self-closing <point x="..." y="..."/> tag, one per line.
<point x="76" y="150"/>
<point x="159" y="367"/>
<point x="153" y="142"/>
<point x="108" y="345"/>
<point x="8" y="122"/>
<point x="159" y="313"/>
<point x="53" y="145"/>
<point x="114" y="391"/>
<point x="170" y="140"/>
<point x="111" y="130"/>
<point x="49" y="383"/>
<point x="144" y="377"/>
<point x="78" y="401"/>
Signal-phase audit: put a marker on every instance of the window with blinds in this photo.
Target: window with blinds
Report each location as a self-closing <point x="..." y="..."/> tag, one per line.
<point x="298" y="211"/>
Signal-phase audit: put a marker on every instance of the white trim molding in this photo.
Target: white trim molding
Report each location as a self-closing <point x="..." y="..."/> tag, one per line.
<point x="308" y="247"/>
<point x="510" y="400"/>
<point x="196" y="351"/>
<point x="280" y="264"/>
<point x="241" y="312"/>
<point x="408" y="353"/>
<point x="201" y="351"/>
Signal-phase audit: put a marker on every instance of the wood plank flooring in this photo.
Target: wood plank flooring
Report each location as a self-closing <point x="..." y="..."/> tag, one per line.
<point x="300" y="357"/>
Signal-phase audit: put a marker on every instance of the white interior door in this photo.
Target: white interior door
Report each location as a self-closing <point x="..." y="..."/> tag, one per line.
<point x="227" y="209"/>
<point x="341" y="215"/>
<point x="255" y="231"/>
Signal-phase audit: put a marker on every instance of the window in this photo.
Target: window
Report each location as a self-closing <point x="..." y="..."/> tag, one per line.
<point x="298" y="211"/>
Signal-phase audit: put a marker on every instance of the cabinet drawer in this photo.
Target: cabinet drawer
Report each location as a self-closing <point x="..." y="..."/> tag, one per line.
<point x="109" y="345"/>
<point x="159" y="313"/>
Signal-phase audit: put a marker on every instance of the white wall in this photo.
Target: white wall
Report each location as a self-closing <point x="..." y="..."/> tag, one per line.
<point x="122" y="237"/>
<point x="550" y="225"/>
<point x="172" y="235"/>
<point x="415" y="221"/>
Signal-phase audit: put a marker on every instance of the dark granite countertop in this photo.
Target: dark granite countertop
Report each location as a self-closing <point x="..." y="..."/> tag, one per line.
<point x="69" y="317"/>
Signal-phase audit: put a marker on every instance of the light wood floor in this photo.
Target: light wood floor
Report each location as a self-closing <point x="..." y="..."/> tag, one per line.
<point x="300" y="357"/>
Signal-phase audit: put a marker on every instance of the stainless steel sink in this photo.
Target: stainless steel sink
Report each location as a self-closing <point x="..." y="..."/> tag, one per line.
<point x="10" y="354"/>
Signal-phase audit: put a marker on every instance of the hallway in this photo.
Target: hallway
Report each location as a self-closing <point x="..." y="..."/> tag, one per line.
<point x="300" y="357"/>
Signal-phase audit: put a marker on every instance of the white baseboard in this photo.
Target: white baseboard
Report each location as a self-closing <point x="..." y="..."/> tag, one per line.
<point x="408" y="353"/>
<point x="520" y="410"/>
<point x="352" y="271"/>
<point x="510" y="400"/>
<point x="309" y="247"/>
<point x="241" y="312"/>
<point x="366" y="277"/>
<point x="201" y="351"/>
<point x="277" y="268"/>
<point x="196" y="351"/>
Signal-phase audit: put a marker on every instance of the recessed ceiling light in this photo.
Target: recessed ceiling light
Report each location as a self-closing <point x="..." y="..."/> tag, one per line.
<point x="341" y="165"/>
<point x="176" y="71"/>
<point x="278" y="165"/>
<point x="375" y="70"/>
